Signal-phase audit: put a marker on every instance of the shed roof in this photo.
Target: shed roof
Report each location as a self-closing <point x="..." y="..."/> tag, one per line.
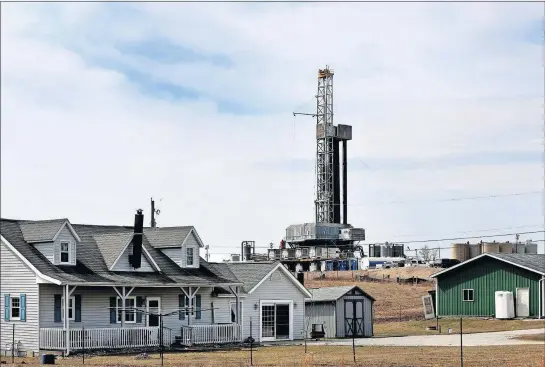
<point x="531" y="262"/>
<point x="333" y="293"/>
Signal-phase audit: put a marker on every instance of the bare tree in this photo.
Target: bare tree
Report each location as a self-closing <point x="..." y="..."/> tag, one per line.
<point x="428" y="254"/>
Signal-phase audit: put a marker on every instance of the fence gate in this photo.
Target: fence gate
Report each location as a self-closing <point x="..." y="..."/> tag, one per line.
<point x="353" y="317"/>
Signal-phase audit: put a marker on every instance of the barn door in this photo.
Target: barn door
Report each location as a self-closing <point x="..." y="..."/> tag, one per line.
<point x="353" y="317"/>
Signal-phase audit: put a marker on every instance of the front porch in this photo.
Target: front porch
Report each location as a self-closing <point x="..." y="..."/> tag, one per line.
<point x="54" y="339"/>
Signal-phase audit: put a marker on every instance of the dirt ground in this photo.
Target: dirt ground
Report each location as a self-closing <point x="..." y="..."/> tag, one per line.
<point x="524" y="355"/>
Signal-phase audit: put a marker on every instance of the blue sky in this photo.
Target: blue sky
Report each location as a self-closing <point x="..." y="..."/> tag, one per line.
<point x="109" y="104"/>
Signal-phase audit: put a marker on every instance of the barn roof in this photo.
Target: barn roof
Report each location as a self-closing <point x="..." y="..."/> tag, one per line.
<point x="531" y="262"/>
<point x="327" y="294"/>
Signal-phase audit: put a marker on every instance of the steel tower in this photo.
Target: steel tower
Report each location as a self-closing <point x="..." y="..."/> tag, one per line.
<point x="325" y="148"/>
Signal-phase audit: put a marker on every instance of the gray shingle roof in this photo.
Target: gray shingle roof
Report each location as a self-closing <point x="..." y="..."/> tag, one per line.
<point x="40" y="231"/>
<point x="167" y="237"/>
<point x="534" y="262"/>
<point x="333" y="293"/>
<point x="111" y="245"/>
<point x="246" y="272"/>
<point x="91" y="265"/>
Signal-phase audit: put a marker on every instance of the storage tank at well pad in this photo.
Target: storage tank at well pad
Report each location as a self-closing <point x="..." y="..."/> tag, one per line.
<point x="491" y="247"/>
<point x="521" y="248"/>
<point x="506" y="248"/>
<point x="474" y="250"/>
<point x="531" y="248"/>
<point x="459" y="251"/>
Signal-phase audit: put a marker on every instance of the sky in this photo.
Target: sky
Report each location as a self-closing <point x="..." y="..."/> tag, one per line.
<point x="105" y="105"/>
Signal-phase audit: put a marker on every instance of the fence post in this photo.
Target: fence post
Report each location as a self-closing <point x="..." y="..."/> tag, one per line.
<point x="13" y="345"/>
<point x="461" y="345"/>
<point x="251" y="344"/>
<point x="83" y="341"/>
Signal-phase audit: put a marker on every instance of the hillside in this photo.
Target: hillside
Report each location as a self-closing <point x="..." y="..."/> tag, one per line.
<point x="394" y="302"/>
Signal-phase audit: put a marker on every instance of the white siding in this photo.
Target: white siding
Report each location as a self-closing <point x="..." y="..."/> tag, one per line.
<point x="123" y="263"/>
<point x="321" y="313"/>
<point x="17" y="278"/>
<point x="367" y="315"/>
<point x="47" y="249"/>
<point x="175" y="254"/>
<point x="95" y="303"/>
<point x="276" y="287"/>
<point x="192" y="242"/>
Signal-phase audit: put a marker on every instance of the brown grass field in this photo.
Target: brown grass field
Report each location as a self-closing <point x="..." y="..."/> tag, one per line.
<point x="535" y="337"/>
<point x="505" y="356"/>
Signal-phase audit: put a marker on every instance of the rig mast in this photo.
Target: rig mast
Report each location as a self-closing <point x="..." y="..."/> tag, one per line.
<point x="325" y="149"/>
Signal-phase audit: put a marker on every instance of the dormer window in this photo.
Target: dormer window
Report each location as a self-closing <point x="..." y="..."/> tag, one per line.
<point x="65" y="252"/>
<point x="189" y="257"/>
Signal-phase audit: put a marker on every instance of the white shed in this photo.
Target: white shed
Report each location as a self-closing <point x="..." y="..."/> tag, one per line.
<point x="341" y="310"/>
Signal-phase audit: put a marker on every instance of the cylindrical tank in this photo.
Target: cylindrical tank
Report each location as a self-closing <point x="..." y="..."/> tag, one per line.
<point x="491" y="247"/>
<point x="531" y="248"/>
<point x="506" y="248"/>
<point x="329" y="265"/>
<point x="474" y="250"/>
<point x="323" y="266"/>
<point x="313" y="267"/>
<point x="353" y="264"/>
<point x="247" y="252"/>
<point x="386" y="250"/>
<point x="521" y="248"/>
<point x="458" y="251"/>
<point x="298" y="268"/>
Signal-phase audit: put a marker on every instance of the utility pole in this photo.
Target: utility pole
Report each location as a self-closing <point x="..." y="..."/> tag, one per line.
<point x="517" y="243"/>
<point x="153" y="213"/>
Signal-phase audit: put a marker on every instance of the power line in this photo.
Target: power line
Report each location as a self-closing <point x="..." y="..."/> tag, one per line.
<point x="469" y="238"/>
<point x="497" y="196"/>
<point x="474" y="230"/>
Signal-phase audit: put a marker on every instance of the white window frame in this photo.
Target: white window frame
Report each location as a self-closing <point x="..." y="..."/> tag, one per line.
<point x="69" y="252"/>
<point x="118" y="310"/>
<point x="234" y="303"/>
<point x="71" y="306"/>
<point x="192" y="256"/>
<point x="11" y="299"/>
<point x="464" y="295"/>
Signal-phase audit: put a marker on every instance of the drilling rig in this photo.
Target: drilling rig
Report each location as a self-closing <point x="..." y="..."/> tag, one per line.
<point x="309" y="246"/>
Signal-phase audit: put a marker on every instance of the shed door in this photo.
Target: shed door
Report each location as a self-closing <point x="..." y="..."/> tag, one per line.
<point x="353" y="317"/>
<point x="523" y="302"/>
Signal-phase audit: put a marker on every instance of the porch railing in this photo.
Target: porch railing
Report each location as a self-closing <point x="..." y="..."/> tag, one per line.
<point x="105" y="338"/>
<point x="211" y="334"/>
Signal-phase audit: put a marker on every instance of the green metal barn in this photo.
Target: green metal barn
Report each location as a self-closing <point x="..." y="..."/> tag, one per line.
<point x="468" y="289"/>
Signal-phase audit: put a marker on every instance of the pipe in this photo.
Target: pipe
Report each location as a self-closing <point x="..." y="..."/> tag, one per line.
<point x="336" y="183"/>
<point x="345" y="185"/>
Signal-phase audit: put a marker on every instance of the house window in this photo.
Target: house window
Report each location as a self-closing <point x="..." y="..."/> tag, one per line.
<point x="189" y="257"/>
<point x="130" y="304"/>
<point x="15" y="311"/>
<point x="468" y="295"/>
<point x="65" y="252"/>
<point x="71" y="303"/>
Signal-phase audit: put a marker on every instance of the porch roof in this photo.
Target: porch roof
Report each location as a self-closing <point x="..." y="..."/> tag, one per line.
<point x="91" y="267"/>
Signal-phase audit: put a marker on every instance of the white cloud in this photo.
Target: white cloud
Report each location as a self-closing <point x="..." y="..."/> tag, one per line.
<point x="80" y="140"/>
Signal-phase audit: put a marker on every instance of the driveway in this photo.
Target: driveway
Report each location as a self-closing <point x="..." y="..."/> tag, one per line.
<point x="442" y="340"/>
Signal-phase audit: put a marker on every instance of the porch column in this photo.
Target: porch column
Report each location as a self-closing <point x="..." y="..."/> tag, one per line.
<point x="67" y="293"/>
<point x="123" y="296"/>
<point x="190" y="294"/>
<point x="236" y="293"/>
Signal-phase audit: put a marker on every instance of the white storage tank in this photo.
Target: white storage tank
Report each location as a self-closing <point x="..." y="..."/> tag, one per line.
<point x="322" y="266"/>
<point x="521" y="248"/>
<point x="298" y="268"/>
<point x="531" y="248"/>
<point x="505" y="306"/>
<point x="313" y="267"/>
